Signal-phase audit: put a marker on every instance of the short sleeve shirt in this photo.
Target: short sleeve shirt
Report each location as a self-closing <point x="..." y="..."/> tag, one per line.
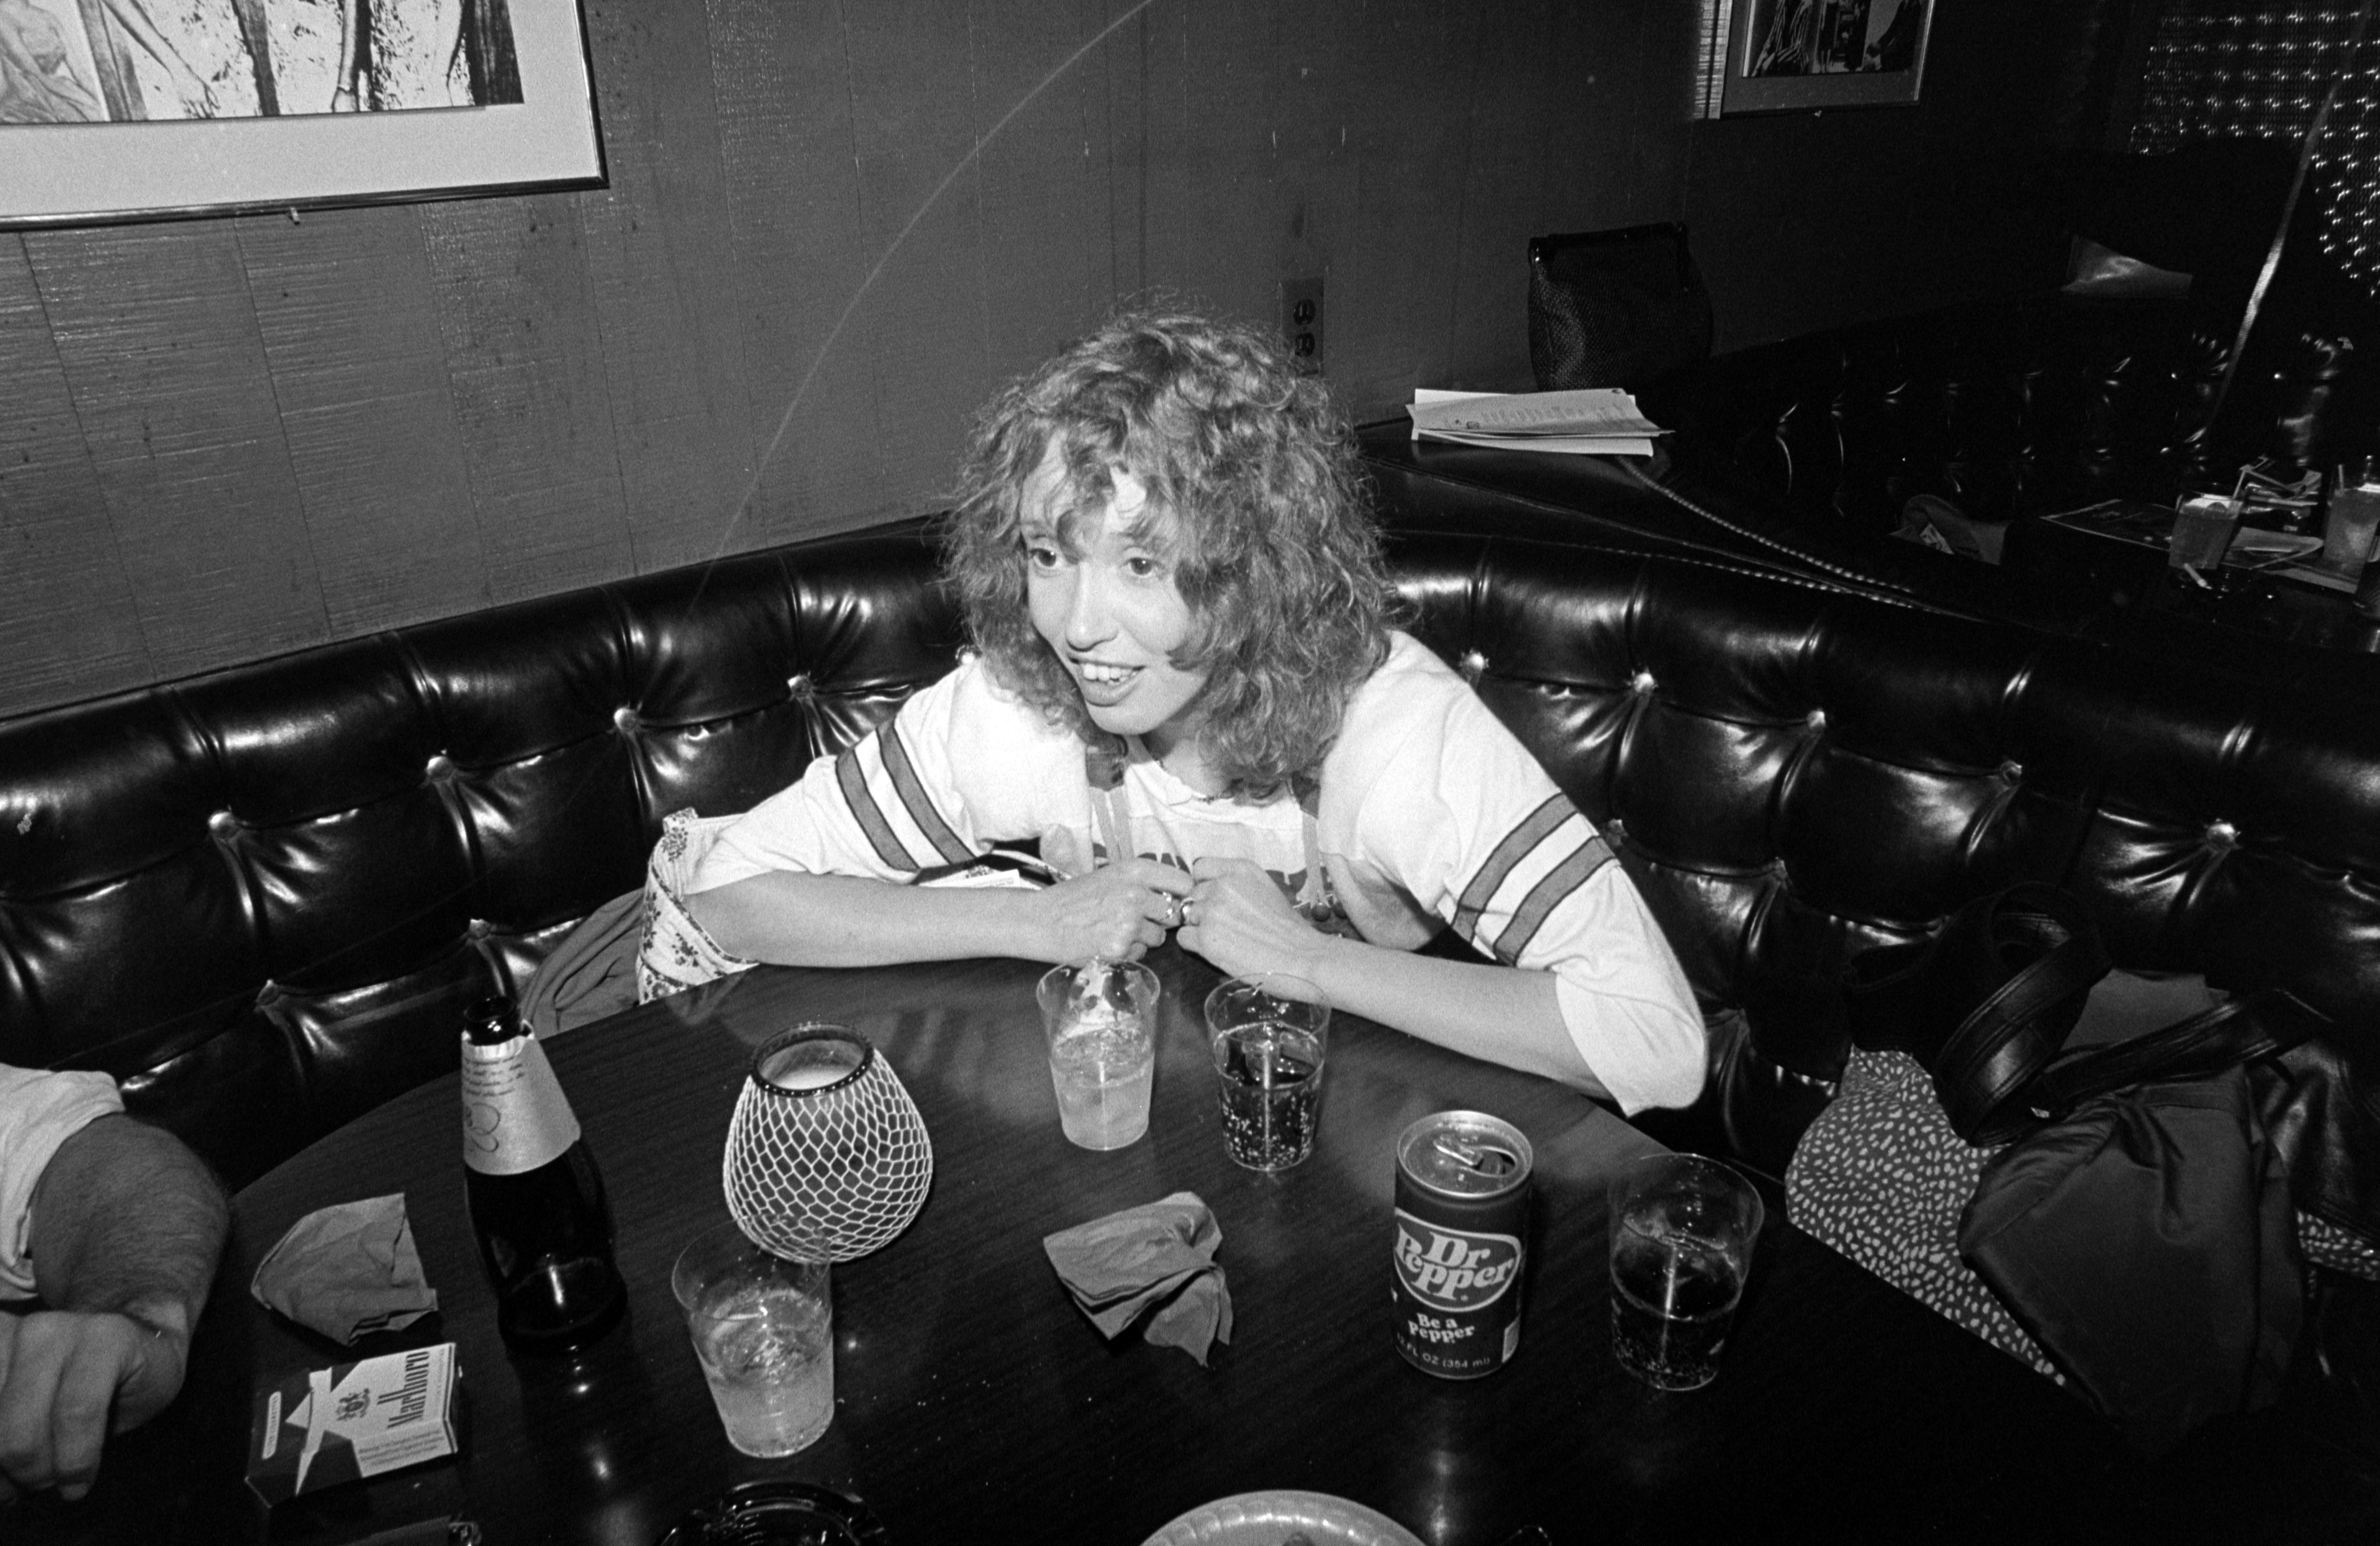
<point x="38" y="1112"/>
<point x="1430" y="813"/>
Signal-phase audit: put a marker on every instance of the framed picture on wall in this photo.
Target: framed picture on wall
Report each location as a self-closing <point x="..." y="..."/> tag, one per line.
<point x="123" y="110"/>
<point x="1779" y="55"/>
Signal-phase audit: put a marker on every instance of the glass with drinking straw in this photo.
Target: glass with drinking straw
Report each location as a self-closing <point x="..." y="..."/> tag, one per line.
<point x="1267" y="1034"/>
<point x="1683" y="1228"/>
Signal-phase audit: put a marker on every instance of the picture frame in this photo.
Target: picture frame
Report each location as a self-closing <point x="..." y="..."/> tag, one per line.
<point x="1789" y="55"/>
<point x="115" y="111"/>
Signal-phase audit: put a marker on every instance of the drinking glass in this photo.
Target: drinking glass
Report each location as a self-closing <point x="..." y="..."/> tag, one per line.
<point x="1101" y="1021"/>
<point x="763" y="1327"/>
<point x="1681" y="1234"/>
<point x="1267" y="1034"/>
<point x="2202" y="528"/>
<point x="2348" y="527"/>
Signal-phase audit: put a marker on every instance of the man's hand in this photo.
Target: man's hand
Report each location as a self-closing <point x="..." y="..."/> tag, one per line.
<point x="1118" y="911"/>
<point x="68" y="1381"/>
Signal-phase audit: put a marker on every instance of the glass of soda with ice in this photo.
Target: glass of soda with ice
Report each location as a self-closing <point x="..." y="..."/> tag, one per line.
<point x="1681" y="1234"/>
<point x="763" y="1328"/>
<point x="1267" y="1034"/>
<point x="1101" y="1019"/>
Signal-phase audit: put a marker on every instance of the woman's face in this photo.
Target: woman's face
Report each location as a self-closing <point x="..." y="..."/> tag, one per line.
<point x="1111" y="610"/>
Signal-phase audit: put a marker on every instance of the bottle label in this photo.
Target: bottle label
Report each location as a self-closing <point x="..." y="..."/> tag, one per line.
<point x="514" y="1115"/>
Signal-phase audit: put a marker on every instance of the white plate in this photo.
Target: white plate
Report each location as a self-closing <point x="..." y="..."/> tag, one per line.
<point x="1270" y="1518"/>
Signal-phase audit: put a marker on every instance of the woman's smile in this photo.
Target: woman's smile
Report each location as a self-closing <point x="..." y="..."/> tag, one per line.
<point x="1102" y="592"/>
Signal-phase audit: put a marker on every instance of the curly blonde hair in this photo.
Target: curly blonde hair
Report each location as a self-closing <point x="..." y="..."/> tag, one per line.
<point x="1253" y="470"/>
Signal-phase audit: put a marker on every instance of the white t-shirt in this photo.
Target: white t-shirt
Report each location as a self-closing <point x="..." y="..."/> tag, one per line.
<point x="38" y="1112"/>
<point x="1430" y="812"/>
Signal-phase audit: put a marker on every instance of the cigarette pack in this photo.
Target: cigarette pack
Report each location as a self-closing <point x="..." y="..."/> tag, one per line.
<point x="352" y="1420"/>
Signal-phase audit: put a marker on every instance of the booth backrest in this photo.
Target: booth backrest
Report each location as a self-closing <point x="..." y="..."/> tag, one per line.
<point x="263" y="897"/>
<point x="2009" y="407"/>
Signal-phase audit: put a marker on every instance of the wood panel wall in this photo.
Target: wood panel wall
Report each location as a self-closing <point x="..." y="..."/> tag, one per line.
<point x="833" y="227"/>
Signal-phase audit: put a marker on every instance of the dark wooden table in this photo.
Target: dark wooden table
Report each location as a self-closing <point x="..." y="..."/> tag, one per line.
<point x="975" y="1404"/>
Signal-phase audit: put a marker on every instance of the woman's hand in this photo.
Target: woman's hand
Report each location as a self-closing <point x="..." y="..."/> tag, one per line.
<point x="1119" y="911"/>
<point x="1237" y="918"/>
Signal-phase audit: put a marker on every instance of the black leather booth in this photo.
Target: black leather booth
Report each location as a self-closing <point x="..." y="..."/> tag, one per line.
<point x="263" y="897"/>
<point x="2014" y="408"/>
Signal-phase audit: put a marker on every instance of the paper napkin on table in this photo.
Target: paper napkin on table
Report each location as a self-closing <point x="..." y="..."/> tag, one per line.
<point x="347" y="1270"/>
<point x="1161" y="1254"/>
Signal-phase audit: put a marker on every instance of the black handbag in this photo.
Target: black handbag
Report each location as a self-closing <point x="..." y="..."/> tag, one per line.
<point x="1615" y="308"/>
<point x="1985" y="1004"/>
<point x="2141" y="1223"/>
<point x="2142" y="1231"/>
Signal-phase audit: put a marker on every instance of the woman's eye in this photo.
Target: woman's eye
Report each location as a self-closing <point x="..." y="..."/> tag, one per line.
<point x="1141" y="567"/>
<point x="1041" y="557"/>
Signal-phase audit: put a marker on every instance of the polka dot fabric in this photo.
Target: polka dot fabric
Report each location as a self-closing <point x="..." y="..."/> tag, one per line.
<point x="1882" y="1178"/>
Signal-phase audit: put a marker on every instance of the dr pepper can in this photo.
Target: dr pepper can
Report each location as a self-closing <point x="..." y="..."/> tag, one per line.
<point x="1462" y="1209"/>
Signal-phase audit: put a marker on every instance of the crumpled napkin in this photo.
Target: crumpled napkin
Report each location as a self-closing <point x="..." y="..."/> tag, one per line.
<point x="1161" y="1254"/>
<point x="347" y="1270"/>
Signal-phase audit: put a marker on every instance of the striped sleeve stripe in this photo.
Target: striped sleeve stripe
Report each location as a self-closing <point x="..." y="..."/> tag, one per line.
<point x="920" y="805"/>
<point x="1547" y="894"/>
<point x="1539" y="825"/>
<point x="853" y="784"/>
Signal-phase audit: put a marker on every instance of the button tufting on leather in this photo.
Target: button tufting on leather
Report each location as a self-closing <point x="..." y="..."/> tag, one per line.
<point x="798" y="684"/>
<point x="438" y="769"/>
<point x="2222" y="835"/>
<point x="624" y="719"/>
<point x="479" y="928"/>
<point x="1815" y="718"/>
<point x="222" y="827"/>
<point x="1641" y="683"/>
<point x="2012" y="770"/>
<point x="1472" y="665"/>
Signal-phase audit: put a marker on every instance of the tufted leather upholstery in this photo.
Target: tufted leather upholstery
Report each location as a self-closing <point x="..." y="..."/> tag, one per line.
<point x="2008" y="408"/>
<point x="264" y="896"/>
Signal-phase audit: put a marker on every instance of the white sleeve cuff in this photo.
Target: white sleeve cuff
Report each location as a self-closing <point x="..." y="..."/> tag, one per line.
<point x="38" y="1112"/>
<point x="1646" y="1055"/>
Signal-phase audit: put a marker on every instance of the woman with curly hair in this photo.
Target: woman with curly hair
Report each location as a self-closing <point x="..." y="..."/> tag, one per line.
<point x="1187" y="690"/>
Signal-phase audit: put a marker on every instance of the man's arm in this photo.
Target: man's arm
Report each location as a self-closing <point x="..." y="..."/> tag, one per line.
<point x="126" y="1227"/>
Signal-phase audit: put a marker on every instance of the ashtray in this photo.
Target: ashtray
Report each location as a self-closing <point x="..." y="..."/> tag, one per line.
<point x="777" y="1514"/>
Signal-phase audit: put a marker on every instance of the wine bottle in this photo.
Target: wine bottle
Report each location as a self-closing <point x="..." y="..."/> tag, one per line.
<point x="536" y="1196"/>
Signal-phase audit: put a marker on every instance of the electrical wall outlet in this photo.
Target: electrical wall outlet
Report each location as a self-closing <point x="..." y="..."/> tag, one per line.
<point x="1301" y="323"/>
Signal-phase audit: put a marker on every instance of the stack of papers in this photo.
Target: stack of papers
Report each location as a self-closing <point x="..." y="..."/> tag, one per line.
<point x="1601" y="421"/>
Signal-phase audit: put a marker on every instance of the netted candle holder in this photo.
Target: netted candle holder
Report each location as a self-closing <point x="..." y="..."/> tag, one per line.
<point x="827" y="1158"/>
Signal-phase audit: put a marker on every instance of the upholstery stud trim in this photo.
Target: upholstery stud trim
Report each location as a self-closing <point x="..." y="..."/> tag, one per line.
<point x="798" y="685"/>
<point x="2222" y="836"/>
<point x="624" y="720"/>
<point x="222" y="827"/>
<point x="438" y="769"/>
<point x="1641" y="683"/>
